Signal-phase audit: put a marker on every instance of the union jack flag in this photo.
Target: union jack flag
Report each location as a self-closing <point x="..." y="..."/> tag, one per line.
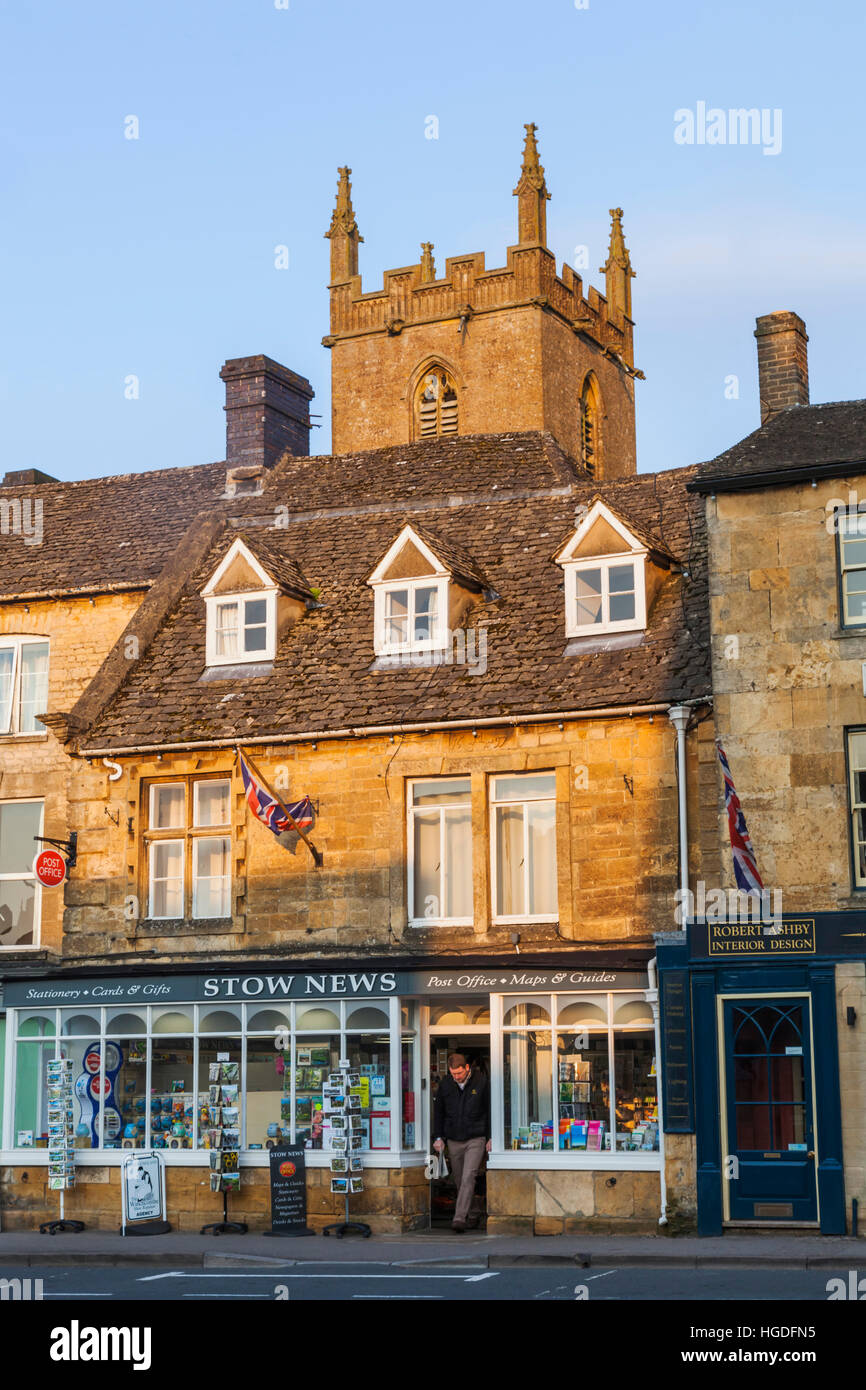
<point x="745" y="866"/>
<point x="265" y="806"/>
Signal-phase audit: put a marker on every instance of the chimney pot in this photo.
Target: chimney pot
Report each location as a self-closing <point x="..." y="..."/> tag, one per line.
<point x="783" y="362"/>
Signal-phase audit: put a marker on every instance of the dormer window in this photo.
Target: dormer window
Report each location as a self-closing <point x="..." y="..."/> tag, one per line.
<point x="247" y="605"/>
<point x="420" y="594"/>
<point x="605" y="567"/>
<point x="241" y="629"/>
<point x="411" y="615"/>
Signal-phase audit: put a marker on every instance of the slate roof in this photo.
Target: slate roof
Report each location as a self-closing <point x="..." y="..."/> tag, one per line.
<point x="506" y="501"/>
<point x="104" y="533"/>
<point x="798" y="438"/>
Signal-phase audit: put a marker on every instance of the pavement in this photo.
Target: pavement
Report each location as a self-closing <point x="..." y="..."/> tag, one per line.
<point x="181" y="1250"/>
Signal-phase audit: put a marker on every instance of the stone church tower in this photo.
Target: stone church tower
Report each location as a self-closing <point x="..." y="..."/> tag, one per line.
<point x="477" y="351"/>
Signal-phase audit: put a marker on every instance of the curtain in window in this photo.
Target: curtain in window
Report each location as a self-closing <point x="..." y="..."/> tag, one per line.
<point x="458" y="863"/>
<point x="509" y="861"/>
<point x="7" y="676"/>
<point x="542" y="857"/>
<point x="34" y="686"/>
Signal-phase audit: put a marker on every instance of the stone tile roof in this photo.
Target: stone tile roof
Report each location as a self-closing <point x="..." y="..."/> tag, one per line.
<point x="802" y="436"/>
<point x="325" y="677"/>
<point x="284" y="570"/>
<point x="103" y="533"/>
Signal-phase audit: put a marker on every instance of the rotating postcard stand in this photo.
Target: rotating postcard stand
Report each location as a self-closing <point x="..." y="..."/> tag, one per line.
<point x="219" y="1116"/>
<point x="341" y="1105"/>
<point x="61" y="1150"/>
<point x="225" y="1226"/>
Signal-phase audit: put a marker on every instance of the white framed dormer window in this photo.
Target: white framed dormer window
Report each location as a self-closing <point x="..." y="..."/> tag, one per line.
<point x="605" y="577"/>
<point x="411" y="596"/>
<point x="23" y="684"/>
<point x="241" y="610"/>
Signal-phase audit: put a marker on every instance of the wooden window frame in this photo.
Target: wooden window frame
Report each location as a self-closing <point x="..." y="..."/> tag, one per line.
<point x="187" y="835"/>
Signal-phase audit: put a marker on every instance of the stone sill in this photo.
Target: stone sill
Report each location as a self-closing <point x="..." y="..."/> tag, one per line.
<point x="649" y="1162"/>
<point x="188" y="926"/>
<point x="199" y="1158"/>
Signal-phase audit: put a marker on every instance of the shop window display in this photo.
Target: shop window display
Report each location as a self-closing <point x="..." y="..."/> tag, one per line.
<point x="637" y="1117"/>
<point x="218" y="1110"/>
<point x="370" y="1059"/>
<point x="528" y="1090"/>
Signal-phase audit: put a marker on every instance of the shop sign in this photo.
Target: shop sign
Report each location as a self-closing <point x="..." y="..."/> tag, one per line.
<point x="497" y="980"/>
<point x="49" y="868"/>
<point x="677" y="1089"/>
<point x="345" y="983"/>
<point x="288" y="1192"/>
<point x="785" y="938"/>
<point x="143" y="1185"/>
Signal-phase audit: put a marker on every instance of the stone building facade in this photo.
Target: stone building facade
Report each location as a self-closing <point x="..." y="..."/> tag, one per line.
<point x="788" y="651"/>
<point x="472" y="646"/>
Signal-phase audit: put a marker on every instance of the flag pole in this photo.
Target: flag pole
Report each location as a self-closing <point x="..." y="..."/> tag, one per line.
<point x="317" y="854"/>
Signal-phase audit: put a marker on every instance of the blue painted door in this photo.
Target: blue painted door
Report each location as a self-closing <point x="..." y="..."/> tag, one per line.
<point x="770" y="1169"/>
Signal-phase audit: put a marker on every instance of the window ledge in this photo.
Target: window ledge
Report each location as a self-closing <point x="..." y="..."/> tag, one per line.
<point x="200" y="1158"/>
<point x="846" y="632"/>
<point x="237" y="671"/>
<point x="35" y="737"/>
<point x="187" y="926"/>
<point x="424" y="657"/>
<point x="587" y="645"/>
<point x="649" y="1161"/>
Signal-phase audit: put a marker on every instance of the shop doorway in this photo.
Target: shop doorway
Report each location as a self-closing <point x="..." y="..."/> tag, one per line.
<point x="475" y="1047"/>
<point x="769" y="1162"/>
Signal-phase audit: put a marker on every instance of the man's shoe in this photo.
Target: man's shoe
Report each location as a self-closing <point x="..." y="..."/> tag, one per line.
<point x="458" y="1226"/>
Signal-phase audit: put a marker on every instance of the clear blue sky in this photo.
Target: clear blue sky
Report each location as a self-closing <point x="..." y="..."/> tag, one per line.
<point x="155" y="257"/>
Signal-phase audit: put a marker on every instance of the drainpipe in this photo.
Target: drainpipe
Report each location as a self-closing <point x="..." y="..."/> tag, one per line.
<point x="652" y="998"/>
<point x="679" y="717"/>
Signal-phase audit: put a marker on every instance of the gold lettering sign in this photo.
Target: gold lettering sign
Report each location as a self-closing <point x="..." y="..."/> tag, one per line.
<point x="784" y="938"/>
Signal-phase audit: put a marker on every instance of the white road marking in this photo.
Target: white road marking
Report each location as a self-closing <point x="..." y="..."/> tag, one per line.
<point x="274" y="1276"/>
<point x="600" y="1276"/>
<point x="78" y="1295"/>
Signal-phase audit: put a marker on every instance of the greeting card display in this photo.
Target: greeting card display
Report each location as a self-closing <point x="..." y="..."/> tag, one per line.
<point x="223" y="1137"/>
<point x="61" y="1139"/>
<point x="341" y="1096"/>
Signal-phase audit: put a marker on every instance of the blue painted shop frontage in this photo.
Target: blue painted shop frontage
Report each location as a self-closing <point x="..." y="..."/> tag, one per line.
<point x="764" y="1062"/>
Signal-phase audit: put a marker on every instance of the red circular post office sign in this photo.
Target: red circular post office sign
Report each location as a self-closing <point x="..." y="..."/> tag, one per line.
<point x="49" y="866"/>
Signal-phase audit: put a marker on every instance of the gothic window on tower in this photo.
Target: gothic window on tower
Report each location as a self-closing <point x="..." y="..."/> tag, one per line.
<point x="589" y="434"/>
<point x="435" y="404"/>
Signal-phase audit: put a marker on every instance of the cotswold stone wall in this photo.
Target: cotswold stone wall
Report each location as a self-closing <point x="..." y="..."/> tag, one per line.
<point x="553" y="1202"/>
<point x="616" y="829"/>
<point x="787" y="682"/>
<point x="393" y="1200"/>
<point x="81" y="631"/>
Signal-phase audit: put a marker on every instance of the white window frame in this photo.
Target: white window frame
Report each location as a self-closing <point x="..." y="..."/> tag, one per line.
<point x="214" y="598"/>
<point x="27" y="877"/>
<point x="16" y="643"/>
<point x="437" y="641"/>
<point x="857" y="808"/>
<point x="845" y="570"/>
<point x="187" y="837"/>
<point x="411" y="811"/>
<point x="498" y="918"/>
<point x="605" y="563"/>
<point x="215" y="601"/>
<point x="438" y="578"/>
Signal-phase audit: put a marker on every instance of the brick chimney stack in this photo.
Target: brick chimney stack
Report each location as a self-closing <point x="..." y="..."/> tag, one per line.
<point x="783" y="362"/>
<point x="267" y="412"/>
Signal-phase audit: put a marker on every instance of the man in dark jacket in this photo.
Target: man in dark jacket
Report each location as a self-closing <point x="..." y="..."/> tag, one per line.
<point x="461" y="1116"/>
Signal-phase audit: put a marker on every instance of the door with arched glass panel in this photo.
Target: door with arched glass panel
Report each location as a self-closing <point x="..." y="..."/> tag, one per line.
<point x="770" y="1164"/>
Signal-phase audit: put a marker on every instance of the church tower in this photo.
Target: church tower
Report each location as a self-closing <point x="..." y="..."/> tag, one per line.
<point x="478" y="351"/>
